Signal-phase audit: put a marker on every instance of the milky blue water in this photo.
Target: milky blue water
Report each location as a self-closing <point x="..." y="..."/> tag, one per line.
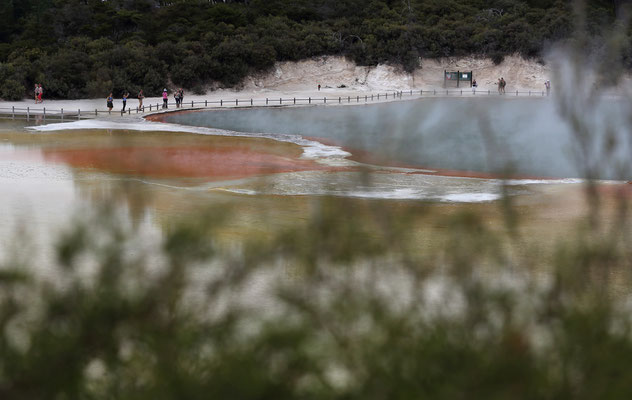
<point x="524" y="136"/>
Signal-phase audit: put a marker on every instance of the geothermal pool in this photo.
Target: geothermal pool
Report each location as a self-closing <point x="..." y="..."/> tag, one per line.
<point x="521" y="136"/>
<point x="440" y="149"/>
<point x="268" y="163"/>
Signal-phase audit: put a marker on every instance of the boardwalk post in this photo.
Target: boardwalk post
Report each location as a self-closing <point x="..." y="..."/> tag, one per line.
<point x="529" y="93"/>
<point x="489" y="92"/>
<point x="366" y="98"/>
<point x="434" y="91"/>
<point x="280" y="100"/>
<point x="339" y="100"/>
<point x="251" y="102"/>
<point x="221" y="102"/>
<point x="62" y="114"/>
<point x="421" y="92"/>
<point x="13" y="112"/>
<point x="325" y="100"/>
<point x="205" y="103"/>
<point x="516" y="93"/>
<point x="378" y="96"/>
<point x="236" y="102"/>
<point x="357" y="99"/>
<point x="191" y="103"/>
<point x="309" y="100"/>
<point x="348" y="99"/>
<point x="387" y="95"/>
<point x="78" y="114"/>
<point x="150" y="107"/>
<point x="266" y="101"/>
<point x="44" y="113"/>
<point x="294" y="100"/>
<point x="28" y="113"/>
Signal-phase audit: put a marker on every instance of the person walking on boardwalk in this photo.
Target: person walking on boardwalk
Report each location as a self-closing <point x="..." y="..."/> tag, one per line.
<point x="36" y="92"/>
<point x="181" y="91"/>
<point x="40" y="92"/>
<point x="165" y="98"/>
<point x="140" y="99"/>
<point x="503" y="83"/>
<point x="176" y="97"/>
<point x="547" y="85"/>
<point x="110" y="102"/>
<point x="125" y="96"/>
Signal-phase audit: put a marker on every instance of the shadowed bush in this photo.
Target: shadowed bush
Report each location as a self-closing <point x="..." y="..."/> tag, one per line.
<point x="135" y="38"/>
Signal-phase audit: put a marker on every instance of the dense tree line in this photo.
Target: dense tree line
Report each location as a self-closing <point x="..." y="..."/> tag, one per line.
<point x="80" y="48"/>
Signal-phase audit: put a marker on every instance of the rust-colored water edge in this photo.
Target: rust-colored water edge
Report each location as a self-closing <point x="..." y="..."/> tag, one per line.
<point x="162" y="116"/>
<point x="184" y="155"/>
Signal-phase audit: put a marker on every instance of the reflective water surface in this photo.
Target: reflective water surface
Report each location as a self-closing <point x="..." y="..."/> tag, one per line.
<point x="525" y="136"/>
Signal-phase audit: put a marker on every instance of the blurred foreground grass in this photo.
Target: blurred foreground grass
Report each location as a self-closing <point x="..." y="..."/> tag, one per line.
<point x="340" y="305"/>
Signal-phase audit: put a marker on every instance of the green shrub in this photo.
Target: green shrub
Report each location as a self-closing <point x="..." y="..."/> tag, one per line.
<point x="230" y="40"/>
<point x="497" y="58"/>
<point x="199" y="90"/>
<point x="262" y="57"/>
<point x="153" y="83"/>
<point x="183" y="75"/>
<point x="11" y="90"/>
<point x="98" y="88"/>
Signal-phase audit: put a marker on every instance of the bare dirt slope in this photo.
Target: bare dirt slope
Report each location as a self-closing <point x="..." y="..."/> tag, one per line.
<point x="335" y="72"/>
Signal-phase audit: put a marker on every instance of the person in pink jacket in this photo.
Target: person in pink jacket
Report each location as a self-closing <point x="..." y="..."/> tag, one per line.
<point x="165" y="98"/>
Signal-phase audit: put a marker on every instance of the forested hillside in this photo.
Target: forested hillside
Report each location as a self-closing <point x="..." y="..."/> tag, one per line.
<point x="79" y="48"/>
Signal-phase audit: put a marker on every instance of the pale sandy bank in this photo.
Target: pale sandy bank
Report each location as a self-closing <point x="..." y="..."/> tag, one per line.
<point x="333" y="72"/>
